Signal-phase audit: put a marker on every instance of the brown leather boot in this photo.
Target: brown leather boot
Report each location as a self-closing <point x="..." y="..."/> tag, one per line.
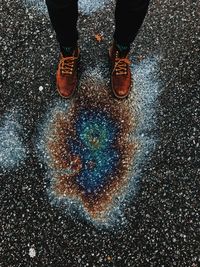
<point x="120" y="72"/>
<point x="66" y="75"/>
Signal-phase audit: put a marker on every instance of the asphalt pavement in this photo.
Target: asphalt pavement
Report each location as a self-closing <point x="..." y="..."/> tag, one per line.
<point x="161" y="213"/>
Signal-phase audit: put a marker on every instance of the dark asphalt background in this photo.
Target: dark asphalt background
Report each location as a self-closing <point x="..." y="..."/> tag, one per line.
<point x="164" y="219"/>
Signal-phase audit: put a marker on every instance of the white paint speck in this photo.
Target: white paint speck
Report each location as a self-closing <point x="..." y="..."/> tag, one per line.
<point x="32" y="252"/>
<point x="41" y="88"/>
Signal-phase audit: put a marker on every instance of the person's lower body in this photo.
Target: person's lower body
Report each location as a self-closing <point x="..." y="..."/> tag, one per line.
<point x="129" y="16"/>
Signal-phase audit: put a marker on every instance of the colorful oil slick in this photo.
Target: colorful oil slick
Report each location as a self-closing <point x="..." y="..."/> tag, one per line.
<point x="93" y="146"/>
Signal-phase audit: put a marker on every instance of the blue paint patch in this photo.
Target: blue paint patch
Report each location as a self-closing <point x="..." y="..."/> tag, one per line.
<point x="12" y="149"/>
<point x="86" y="7"/>
<point x="95" y="178"/>
<point x="96" y="125"/>
<point x="96" y="132"/>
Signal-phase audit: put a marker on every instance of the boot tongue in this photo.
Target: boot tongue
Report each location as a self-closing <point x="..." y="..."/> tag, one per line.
<point x="67" y="51"/>
<point x="123" y="50"/>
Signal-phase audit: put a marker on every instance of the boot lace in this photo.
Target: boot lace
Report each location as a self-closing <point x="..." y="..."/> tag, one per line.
<point x="121" y="65"/>
<point x="67" y="65"/>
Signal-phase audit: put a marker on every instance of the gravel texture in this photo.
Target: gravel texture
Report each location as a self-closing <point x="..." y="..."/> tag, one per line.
<point x="162" y="217"/>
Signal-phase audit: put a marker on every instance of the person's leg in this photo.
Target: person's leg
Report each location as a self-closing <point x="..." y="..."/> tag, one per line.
<point x="129" y="16"/>
<point x="63" y="15"/>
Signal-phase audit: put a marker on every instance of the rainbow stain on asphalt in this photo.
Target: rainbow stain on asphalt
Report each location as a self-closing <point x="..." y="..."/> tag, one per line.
<point x="87" y="149"/>
<point x="93" y="146"/>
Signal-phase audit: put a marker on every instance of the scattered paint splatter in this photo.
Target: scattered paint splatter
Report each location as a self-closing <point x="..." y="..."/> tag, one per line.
<point x="86" y="7"/>
<point x="93" y="146"/>
<point x="12" y="149"/>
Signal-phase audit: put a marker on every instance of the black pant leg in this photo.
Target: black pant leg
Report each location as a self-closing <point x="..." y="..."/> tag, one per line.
<point x="129" y="16"/>
<point x="63" y="15"/>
